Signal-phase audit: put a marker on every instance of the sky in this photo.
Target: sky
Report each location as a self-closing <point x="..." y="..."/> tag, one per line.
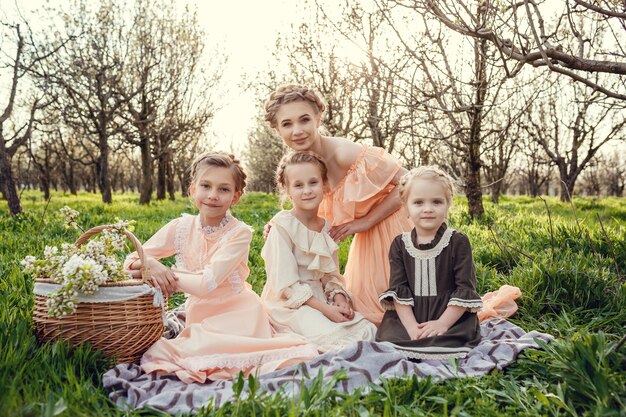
<point x="245" y="30"/>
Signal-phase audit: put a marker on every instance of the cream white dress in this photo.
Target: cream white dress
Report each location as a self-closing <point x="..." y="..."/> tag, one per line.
<point x="300" y="264"/>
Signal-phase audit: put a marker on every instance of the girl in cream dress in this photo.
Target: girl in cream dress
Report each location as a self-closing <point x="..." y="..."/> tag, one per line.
<point x="304" y="293"/>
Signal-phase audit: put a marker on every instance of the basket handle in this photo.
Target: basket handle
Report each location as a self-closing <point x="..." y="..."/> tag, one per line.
<point x="145" y="271"/>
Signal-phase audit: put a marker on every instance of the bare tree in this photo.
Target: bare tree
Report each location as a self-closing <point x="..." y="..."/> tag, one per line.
<point x="15" y="133"/>
<point x="571" y="125"/>
<point x="464" y="101"/>
<point x="534" y="166"/>
<point x="85" y="78"/>
<point x="577" y="38"/>
<point x="160" y="85"/>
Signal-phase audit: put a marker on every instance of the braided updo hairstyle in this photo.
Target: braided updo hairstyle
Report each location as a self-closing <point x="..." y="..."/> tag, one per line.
<point x="289" y="93"/>
<point x="430" y="172"/>
<point x="295" y="158"/>
<point x="219" y="159"/>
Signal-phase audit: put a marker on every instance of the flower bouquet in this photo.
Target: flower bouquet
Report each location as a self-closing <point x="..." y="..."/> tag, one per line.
<point x="83" y="295"/>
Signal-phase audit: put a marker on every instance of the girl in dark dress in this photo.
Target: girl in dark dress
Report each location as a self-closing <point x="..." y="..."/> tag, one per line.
<point x="431" y="303"/>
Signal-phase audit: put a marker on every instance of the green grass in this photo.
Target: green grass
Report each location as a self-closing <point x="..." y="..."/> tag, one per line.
<point x="569" y="260"/>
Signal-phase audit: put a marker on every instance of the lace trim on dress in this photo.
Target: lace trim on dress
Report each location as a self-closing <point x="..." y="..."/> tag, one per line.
<point x="427" y="253"/>
<point x="419" y="355"/>
<point x="246" y="360"/>
<point x="364" y="330"/>
<point x="388" y="305"/>
<point x="331" y="295"/>
<point x="212" y="229"/>
<point x="474" y="306"/>
<point x="235" y="282"/>
<point x="180" y="239"/>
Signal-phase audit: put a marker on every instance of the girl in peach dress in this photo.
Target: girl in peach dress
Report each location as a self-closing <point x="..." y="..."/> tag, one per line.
<point x="227" y="329"/>
<point x="304" y="293"/>
<point x="362" y="200"/>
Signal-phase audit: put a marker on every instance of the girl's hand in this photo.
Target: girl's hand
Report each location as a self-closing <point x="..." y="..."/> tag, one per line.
<point x="431" y="328"/>
<point x="266" y="230"/>
<point x="335" y="314"/>
<point x="413" y="331"/>
<point x="342" y="231"/>
<point x="339" y="300"/>
<point x="162" y="277"/>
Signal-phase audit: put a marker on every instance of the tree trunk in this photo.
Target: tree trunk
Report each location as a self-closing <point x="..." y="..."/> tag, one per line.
<point x="71" y="179"/>
<point x="473" y="191"/>
<point x="495" y="193"/>
<point x="567" y="183"/>
<point x="44" y="183"/>
<point x="161" y="173"/>
<point x="567" y="189"/>
<point x="147" y="171"/>
<point x="9" y="188"/>
<point x="104" y="182"/>
<point x="170" y="176"/>
<point x="472" y="176"/>
<point x="184" y="179"/>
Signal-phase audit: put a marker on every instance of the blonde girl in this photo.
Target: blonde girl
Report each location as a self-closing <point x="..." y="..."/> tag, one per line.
<point x="227" y="330"/>
<point x="431" y="301"/>
<point x="304" y="293"/>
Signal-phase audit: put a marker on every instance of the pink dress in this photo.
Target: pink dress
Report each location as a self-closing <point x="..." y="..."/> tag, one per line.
<point x="227" y="329"/>
<point x="366" y="185"/>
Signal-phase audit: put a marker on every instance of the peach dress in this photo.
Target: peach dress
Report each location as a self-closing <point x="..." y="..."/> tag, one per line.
<point x="302" y="263"/>
<point x="366" y="185"/>
<point x="227" y="329"/>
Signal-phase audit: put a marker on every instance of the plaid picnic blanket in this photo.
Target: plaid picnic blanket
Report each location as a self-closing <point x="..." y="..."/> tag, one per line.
<point x="363" y="362"/>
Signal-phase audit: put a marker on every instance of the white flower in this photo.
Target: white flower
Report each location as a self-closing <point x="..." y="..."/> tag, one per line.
<point x="50" y="251"/>
<point x="79" y="269"/>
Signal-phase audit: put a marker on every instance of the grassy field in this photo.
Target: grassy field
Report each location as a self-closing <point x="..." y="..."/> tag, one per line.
<point x="568" y="260"/>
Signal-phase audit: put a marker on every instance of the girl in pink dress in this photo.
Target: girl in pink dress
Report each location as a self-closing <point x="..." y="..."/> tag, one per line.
<point x="227" y="329"/>
<point x="304" y="293"/>
<point x="362" y="199"/>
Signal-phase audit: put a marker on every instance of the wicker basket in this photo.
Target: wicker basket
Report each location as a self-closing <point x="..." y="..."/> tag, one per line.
<point x="122" y="329"/>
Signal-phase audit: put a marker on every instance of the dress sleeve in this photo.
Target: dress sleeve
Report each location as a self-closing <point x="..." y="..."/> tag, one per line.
<point x="465" y="294"/>
<point x="229" y="258"/>
<point x="373" y="171"/>
<point x="334" y="284"/>
<point x="283" y="282"/>
<point x="160" y="245"/>
<point x="399" y="289"/>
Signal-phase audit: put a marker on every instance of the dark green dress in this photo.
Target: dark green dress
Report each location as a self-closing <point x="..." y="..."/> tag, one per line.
<point x="431" y="277"/>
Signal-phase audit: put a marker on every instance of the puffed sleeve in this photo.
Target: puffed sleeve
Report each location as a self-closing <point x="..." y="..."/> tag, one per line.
<point x="368" y="179"/>
<point x="160" y="245"/>
<point x="465" y="294"/>
<point x="334" y="284"/>
<point x="372" y="172"/>
<point x="230" y="258"/>
<point x="399" y="289"/>
<point x="283" y="283"/>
